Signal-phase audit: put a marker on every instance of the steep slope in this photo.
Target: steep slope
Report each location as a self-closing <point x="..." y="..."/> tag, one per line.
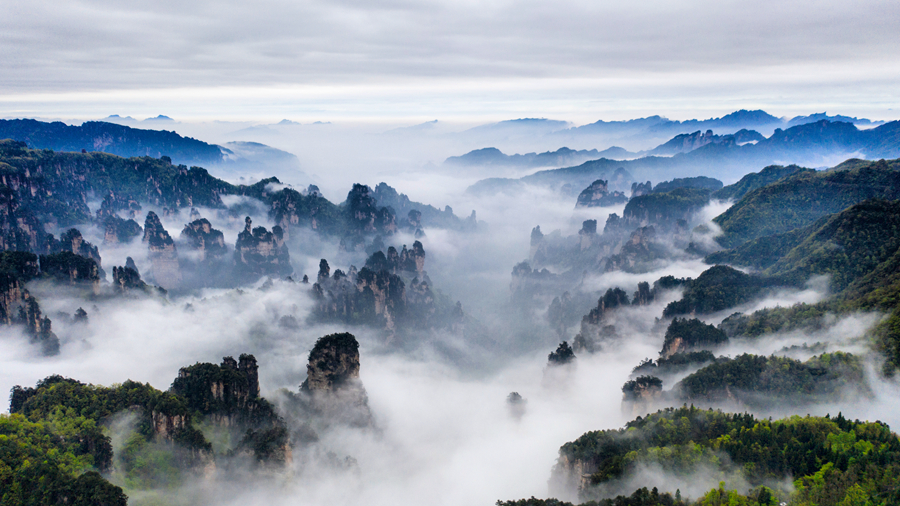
<point x="800" y="199"/>
<point x="110" y="138"/>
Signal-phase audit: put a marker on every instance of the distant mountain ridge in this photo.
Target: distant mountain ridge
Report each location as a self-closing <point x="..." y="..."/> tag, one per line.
<point x="111" y="138"/>
<point x="811" y="144"/>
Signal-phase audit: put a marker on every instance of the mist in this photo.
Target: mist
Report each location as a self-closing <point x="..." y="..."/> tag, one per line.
<point x="444" y="433"/>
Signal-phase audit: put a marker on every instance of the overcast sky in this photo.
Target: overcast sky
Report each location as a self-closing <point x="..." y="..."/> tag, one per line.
<point x="461" y="59"/>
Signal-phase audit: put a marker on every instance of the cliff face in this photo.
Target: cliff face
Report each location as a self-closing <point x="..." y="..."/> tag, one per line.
<point x="291" y="209"/>
<point x="20" y="230"/>
<point x="166" y="269"/>
<point x="596" y="326"/>
<point x="227" y="394"/>
<point x="118" y="230"/>
<point x="18" y="307"/>
<point x="333" y="380"/>
<point x="638" y="252"/>
<point x="259" y="252"/>
<point x="598" y="195"/>
<point x="201" y="237"/>
<point x="640" y="395"/>
<point x="363" y="214"/>
<point x="73" y="242"/>
<point x="638" y="189"/>
<point x="367" y="296"/>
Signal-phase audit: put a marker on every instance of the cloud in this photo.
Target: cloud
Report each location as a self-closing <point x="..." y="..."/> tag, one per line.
<point x="391" y="58"/>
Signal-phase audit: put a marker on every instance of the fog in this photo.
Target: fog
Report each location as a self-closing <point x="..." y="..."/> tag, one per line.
<point x="444" y="431"/>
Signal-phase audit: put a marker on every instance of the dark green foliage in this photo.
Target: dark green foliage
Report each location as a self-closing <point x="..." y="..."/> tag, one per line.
<point x="669" y="282"/>
<point x="690" y="335"/>
<point x="633" y="388"/>
<point x="717" y="288"/>
<point x="847" y="247"/>
<point x="116" y="139"/>
<point x="430" y="216"/>
<point x="267" y="445"/>
<point x="43" y="463"/>
<point x="563" y="354"/>
<point x="289" y="208"/>
<point x="698" y="182"/>
<point x="64" y="180"/>
<point x="755" y="180"/>
<point x="859" y="248"/>
<point x="640" y="497"/>
<point x="679" y="362"/>
<point x="763" y="381"/>
<point x="230" y="389"/>
<point x="761" y="253"/>
<point x="68" y="267"/>
<point x="804" y="197"/>
<point x="776" y="319"/>
<point x="22" y="265"/>
<point x="664" y="209"/>
<point x="759" y="451"/>
<point x="344" y="343"/>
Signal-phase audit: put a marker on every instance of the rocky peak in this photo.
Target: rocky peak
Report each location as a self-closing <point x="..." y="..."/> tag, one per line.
<point x="260" y="252"/>
<point x="165" y="267"/>
<point x="598" y="195"/>
<point x="200" y="236"/>
<point x="364" y="215"/>
<point x="118" y="230"/>
<point x="638" y="189"/>
<point x="333" y="363"/>
<point x="639" y="395"/>
<point x="73" y="241"/>
<point x="588" y="233"/>
<point x="324" y="270"/>
<point x="643" y="296"/>
<point x="114" y="203"/>
<point x="228" y="390"/>
<point x="129" y="263"/>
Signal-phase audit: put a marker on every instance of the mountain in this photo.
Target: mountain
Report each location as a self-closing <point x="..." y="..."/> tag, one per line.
<point x="810" y="144"/>
<point x="858" y="248"/>
<point x="110" y="138"/>
<point x="689" y="448"/>
<point x="803" y="197"/>
<point x="812" y="118"/>
<point x="493" y="156"/>
<point x="755" y="180"/>
<point x="685" y="143"/>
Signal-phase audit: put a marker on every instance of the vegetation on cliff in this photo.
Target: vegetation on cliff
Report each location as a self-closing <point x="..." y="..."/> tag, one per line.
<point x="738" y="448"/>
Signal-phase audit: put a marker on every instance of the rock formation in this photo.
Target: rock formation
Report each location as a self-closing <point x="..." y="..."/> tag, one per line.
<point x="332" y="380"/>
<point x="596" y="326"/>
<point x="640" y="394"/>
<point x="364" y="216"/>
<point x="638" y="189"/>
<point x="261" y="253"/>
<point x="72" y="241"/>
<point x="638" y="253"/>
<point x="598" y="195"/>
<point x="201" y="237"/>
<point x="20" y="230"/>
<point x="118" y="230"/>
<point x="164" y="263"/>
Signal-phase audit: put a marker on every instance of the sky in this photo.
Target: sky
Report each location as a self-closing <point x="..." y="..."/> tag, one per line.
<point x="402" y="61"/>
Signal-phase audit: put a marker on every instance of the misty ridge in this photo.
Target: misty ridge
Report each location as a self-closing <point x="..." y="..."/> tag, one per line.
<point x="645" y="312"/>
